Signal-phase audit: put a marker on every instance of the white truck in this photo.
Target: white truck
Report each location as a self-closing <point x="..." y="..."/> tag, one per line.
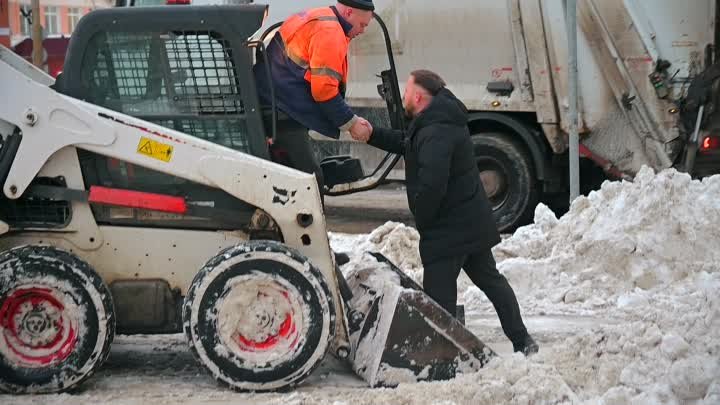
<point x="645" y="69"/>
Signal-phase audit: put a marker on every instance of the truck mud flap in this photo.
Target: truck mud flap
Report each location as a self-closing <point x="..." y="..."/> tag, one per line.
<point x="399" y="334"/>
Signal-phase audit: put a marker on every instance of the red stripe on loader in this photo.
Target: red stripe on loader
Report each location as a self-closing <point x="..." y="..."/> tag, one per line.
<point x="137" y="199"/>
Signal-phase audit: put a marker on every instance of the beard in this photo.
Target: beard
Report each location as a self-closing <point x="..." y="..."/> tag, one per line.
<point x="409" y="112"/>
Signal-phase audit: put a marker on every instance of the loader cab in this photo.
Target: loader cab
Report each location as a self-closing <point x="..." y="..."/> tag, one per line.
<point x="343" y="174"/>
<point x="185" y="68"/>
<point x="190" y="68"/>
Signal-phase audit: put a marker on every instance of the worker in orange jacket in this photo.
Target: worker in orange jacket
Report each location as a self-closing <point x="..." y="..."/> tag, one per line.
<point x="309" y="70"/>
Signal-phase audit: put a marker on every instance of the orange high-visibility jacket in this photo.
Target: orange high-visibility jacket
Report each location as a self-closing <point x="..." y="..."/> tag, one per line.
<point x="316" y="41"/>
<point x="309" y="69"/>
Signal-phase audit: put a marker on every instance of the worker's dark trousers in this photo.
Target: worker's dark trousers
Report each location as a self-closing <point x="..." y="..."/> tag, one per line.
<point x="440" y="283"/>
<point x="294" y="138"/>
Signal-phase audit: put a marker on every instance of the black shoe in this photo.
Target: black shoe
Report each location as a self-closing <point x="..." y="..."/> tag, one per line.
<point x="527" y="346"/>
<point x="341" y="258"/>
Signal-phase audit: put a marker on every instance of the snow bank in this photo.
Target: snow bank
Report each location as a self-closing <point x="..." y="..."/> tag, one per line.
<point x="650" y="233"/>
<point x="644" y="254"/>
<point x="394" y="240"/>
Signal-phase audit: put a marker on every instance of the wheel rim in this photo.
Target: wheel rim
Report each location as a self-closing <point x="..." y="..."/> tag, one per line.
<point x="261" y="319"/>
<point x="37" y="327"/>
<point x="494" y="181"/>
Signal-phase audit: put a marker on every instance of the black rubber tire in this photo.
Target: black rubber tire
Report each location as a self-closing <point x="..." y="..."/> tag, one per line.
<point x="210" y="286"/>
<point x="514" y="206"/>
<point x="26" y="272"/>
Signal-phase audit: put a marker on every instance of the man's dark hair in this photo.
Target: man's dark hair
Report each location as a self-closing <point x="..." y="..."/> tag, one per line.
<point x="428" y="80"/>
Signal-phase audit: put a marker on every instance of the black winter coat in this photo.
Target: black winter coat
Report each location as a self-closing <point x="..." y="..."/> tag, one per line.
<point x="452" y="211"/>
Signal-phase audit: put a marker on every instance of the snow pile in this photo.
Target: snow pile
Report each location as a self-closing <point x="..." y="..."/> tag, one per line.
<point x="650" y="233"/>
<point x="512" y="380"/>
<point x="642" y="256"/>
<point x="665" y="350"/>
<point x="394" y="240"/>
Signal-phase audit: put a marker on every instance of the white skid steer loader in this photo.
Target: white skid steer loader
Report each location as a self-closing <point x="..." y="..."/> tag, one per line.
<point x="139" y="195"/>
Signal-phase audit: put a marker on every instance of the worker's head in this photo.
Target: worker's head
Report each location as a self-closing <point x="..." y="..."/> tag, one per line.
<point x="359" y="13"/>
<point x="421" y="87"/>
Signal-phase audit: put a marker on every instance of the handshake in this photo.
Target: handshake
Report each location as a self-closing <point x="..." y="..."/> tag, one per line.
<point x="361" y="130"/>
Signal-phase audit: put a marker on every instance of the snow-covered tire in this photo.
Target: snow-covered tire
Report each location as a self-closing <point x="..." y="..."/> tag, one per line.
<point x="259" y="316"/>
<point x="56" y="320"/>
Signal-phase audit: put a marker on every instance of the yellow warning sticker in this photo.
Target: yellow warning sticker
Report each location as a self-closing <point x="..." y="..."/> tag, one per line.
<point x="154" y="149"/>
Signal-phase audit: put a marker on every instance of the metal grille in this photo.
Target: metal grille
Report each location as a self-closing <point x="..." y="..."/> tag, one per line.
<point x="130" y="54"/>
<point x="204" y="71"/>
<point x="170" y="73"/>
<point x="183" y="80"/>
<point x="35" y="213"/>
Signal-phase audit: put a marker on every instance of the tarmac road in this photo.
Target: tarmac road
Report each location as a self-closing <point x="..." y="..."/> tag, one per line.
<point x="365" y="211"/>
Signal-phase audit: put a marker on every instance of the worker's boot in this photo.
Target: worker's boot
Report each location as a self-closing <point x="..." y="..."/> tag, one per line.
<point x="526" y="345"/>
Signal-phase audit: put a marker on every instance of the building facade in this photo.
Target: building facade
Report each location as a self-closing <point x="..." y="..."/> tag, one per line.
<point x="58" y="17"/>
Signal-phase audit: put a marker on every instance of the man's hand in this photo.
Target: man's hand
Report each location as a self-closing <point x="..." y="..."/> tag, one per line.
<point x="361" y="130"/>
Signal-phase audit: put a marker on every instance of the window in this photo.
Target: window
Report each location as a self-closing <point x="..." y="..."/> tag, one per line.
<point x="181" y="80"/>
<point x="74" y="15"/>
<point x="25" y="23"/>
<point x="52" y="20"/>
<point x="184" y="81"/>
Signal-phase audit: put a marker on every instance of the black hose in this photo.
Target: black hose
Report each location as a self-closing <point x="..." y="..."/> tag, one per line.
<point x="269" y="76"/>
<point x="261" y="47"/>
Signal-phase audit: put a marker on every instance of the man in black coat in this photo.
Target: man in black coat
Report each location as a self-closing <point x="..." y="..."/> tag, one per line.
<point x="452" y="212"/>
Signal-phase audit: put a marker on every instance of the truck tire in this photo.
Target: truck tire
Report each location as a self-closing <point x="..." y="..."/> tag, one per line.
<point x="56" y="320"/>
<point x="507" y="175"/>
<point x="259" y="316"/>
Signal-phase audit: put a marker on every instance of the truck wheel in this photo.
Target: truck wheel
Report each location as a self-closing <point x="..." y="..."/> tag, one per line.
<point x="508" y="178"/>
<point x="56" y="320"/>
<point x="259" y="316"/>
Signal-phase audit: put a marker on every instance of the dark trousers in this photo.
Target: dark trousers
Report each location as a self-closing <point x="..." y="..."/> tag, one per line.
<point x="440" y="283"/>
<point x="293" y="138"/>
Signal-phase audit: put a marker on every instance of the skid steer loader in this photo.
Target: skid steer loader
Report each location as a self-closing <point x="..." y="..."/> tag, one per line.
<point x="139" y="195"/>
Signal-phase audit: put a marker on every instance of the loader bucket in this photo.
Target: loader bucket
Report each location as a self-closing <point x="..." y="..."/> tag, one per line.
<point x="399" y="334"/>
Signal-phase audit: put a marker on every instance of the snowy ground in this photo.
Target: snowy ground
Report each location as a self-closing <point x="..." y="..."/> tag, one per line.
<point x="622" y="293"/>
